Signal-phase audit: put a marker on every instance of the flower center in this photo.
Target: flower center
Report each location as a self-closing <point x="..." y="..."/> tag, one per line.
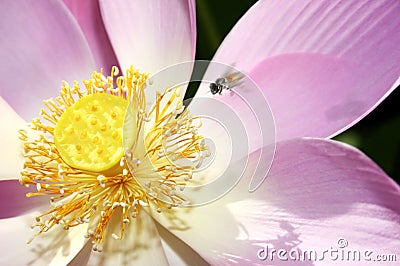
<point x="88" y="135"/>
<point x="74" y="154"/>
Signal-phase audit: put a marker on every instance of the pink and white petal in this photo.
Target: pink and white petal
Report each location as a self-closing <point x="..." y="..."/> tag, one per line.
<point x="140" y="245"/>
<point x="11" y="161"/>
<point x="56" y="247"/>
<point x="44" y="46"/>
<point x="87" y="14"/>
<point x="13" y="201"/>
<point x="151" y="35"/>
<point x="322" y="65"/>
<point x="177" y="251"/>
<point x="314" y="193"/>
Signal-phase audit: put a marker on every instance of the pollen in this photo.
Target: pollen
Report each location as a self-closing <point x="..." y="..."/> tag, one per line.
<point x="74" y="154"/>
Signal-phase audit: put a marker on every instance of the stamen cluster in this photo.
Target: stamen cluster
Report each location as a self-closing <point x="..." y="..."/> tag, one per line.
<point x="147" y="175"/>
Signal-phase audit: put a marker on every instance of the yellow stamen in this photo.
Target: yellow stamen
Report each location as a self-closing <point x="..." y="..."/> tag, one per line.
<point x="77" y="157"/>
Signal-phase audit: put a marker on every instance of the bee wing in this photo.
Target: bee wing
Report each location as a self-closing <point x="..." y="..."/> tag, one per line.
<point x="235" y="79"/>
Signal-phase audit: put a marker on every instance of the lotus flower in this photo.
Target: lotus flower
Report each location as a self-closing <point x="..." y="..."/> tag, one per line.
<point x="322" y="66"/>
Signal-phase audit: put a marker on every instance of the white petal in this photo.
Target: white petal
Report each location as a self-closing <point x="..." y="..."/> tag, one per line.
<point x="56" y="247"/>
<point x="177" y="251"/>
<point x="11" y="159"/>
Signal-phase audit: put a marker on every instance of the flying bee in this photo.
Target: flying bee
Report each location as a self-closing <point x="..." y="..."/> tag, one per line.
<point x="226" y="83"/>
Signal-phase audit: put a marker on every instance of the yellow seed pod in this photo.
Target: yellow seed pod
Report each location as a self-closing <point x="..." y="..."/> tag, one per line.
<point x="88" y="135"/>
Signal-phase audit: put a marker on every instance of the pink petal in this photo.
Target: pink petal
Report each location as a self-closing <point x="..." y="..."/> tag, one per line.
<point x="151" y="35"/>
<point x="11" y="159"/>
<point x="317" y="192"/>
<point x="55" y="247"/>
<point x="141" y="244"/>
<point x="322" y="65"/>
<point x="44" y="46"/>
<point x="316" y="94"/>
<point x="13" y="201"/>
<point x="87" y="13"/>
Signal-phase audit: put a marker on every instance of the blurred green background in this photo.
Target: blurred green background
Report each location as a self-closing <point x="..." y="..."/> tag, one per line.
<point x="377" y="135"/>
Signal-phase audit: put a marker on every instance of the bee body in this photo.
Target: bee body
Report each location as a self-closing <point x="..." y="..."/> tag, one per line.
<point x="226" y="83"/>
